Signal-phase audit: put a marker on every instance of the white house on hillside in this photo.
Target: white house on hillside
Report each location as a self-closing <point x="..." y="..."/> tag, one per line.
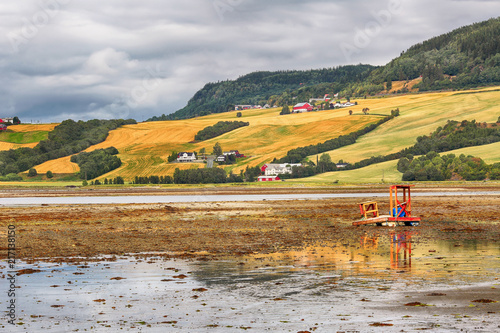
<point x="186" y="157"/>
<point x="278" y="169"/>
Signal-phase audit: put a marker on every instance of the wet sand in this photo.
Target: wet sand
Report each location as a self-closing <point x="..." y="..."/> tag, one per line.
<point x="228" y="228"/>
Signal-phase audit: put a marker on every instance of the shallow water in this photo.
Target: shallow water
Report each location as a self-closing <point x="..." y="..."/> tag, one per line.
<point x="322" y="288"/>
<point x="150" y="199"/>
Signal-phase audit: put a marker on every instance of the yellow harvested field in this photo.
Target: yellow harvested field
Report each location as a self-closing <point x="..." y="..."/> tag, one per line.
<point x="398" y="85"/>
<point x="32" y="127"/>
<point x="145" y="147"/>
<point x="8" y="145"/>
<point x="60" y="165"/>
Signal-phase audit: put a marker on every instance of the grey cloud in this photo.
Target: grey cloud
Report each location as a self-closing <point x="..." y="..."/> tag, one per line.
<point x="138" y="59"/>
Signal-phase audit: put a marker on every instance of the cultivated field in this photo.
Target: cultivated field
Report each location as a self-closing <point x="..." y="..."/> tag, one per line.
<point x="387" y="171"/>
<point x="420" y="115"/>
<point x="145" y="147"/>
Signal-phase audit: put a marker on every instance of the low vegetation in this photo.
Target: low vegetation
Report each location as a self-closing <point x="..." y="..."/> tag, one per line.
<point x="218" y="129"/>
<point x="23" y="137"/>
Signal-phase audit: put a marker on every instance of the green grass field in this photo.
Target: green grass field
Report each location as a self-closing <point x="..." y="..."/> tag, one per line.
<point x="23" y="137"/>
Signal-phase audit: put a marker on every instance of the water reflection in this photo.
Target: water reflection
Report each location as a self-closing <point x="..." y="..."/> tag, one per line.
<point x="321" y="282"/>
<point x="401" y="251"/>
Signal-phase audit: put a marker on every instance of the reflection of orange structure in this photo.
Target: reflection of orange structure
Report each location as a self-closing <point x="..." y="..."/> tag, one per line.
<point x="369" y="242"/>
<point x="400" y="242"/>
<point x="399" y="214"/>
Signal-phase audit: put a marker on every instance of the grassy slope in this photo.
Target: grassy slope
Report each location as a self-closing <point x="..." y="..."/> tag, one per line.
<point x="420" y="115"/>
<point x="387" y="170"/>
<point x="144" y="147"/>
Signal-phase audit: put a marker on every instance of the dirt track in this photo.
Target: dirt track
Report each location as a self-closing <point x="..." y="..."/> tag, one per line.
<point x="218" y="229"/>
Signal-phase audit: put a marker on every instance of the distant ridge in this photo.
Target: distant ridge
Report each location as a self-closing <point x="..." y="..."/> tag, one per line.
<point x="466" y="57"/>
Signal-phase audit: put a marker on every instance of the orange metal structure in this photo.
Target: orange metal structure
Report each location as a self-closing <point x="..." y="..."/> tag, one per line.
<point x="399" y="214"/>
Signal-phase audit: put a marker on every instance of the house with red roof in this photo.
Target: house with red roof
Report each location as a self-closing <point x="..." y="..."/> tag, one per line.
<point x="302" y="107"/>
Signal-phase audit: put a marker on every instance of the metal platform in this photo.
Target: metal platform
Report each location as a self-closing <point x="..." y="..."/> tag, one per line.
<point x="389" y="221"/>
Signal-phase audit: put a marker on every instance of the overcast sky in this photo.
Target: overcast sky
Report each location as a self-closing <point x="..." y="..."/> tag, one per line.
<point x="63" y="59"/>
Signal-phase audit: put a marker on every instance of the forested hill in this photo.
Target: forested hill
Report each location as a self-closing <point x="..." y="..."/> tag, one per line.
<point x="259" y="88"/>
<point x="470" y="55"/>
<point x="463" y="58"/>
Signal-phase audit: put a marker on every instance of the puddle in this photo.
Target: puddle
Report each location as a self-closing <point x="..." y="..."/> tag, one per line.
<point x="359" y="286"/>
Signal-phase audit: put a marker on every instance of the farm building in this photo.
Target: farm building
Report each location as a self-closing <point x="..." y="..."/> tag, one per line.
<point x="303" y="107"/>
<point x="221" y="158"/>
<point x="247" y="107"/>
<point x="7" y="120"/>
<point x="342" y="105"/>
<point x="278" y="169"/>
<point x="235" y="153"/>
<point x="268" y="178"/>
<point x="326" y="98"/>
<point x="186" y="157"/>
<point x="3" y="127"/>
<point x="342" y="165"/>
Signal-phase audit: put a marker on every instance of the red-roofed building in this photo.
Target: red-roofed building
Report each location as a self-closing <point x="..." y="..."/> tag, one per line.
<point x="303" y="107"/>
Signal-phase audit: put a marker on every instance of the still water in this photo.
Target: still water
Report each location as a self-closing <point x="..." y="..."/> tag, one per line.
<point x="330" y="287"/>
<point x="147" y="199"/>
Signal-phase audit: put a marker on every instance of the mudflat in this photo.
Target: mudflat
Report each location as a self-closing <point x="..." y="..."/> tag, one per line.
<point x="229" y="228"/>
<point x="295" y="266"/>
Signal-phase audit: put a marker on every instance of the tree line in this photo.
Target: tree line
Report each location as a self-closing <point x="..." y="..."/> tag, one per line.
<point x="112" y="181"/>
<point x="97" y="162"/>
<point x="66" y="139"/>
<point x="434" y="167"/>
<point x="202" y="176"/>
<point x="218" y="129"/>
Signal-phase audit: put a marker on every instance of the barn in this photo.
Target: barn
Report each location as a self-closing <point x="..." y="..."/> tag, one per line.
<point x="303" y="107"/>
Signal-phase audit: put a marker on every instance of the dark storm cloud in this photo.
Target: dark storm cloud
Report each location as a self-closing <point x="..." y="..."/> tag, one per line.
<point x="64" y="59"/>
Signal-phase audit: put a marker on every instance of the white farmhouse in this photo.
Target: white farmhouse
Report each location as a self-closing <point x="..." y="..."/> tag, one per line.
<point x="186" y="157"/>
<point x="278" y="169"/>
